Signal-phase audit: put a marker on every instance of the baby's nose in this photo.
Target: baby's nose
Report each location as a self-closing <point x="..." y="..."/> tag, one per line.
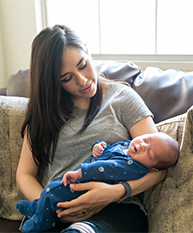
<point x="142" y="146"/>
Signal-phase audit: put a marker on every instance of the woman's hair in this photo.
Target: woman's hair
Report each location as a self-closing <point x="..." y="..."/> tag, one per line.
<point x="50" y="106"/>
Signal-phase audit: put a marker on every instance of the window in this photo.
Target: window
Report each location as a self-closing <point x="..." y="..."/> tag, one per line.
<point x="139" y="30"/>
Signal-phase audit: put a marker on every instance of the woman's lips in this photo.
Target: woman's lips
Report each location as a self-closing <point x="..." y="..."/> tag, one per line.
<point x="88" y="89"/>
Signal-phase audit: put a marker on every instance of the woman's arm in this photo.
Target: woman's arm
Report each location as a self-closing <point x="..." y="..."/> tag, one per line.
<point x="146" y="182"/>
<point x="100" y="195"/>
<point x="26" y="174"/>
<point x="143" y="126"/>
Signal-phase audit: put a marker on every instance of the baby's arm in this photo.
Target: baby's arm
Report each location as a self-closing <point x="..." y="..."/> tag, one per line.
<point x="98" y="149"/>
<point x="71" y="176"/>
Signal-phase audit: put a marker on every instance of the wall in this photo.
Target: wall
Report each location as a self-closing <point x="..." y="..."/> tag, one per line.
<point x="2" y="66"/>
<point x="17" y="30"/>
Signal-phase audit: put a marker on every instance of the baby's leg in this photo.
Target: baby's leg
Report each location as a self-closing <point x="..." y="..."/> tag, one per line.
<point x="45" y="215"/>
<point x="27" y="208"/>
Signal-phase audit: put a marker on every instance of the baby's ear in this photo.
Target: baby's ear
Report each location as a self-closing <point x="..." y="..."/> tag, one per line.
<point x="154" y="169"/>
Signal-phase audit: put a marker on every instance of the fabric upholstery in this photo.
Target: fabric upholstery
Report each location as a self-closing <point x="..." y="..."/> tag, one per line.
<point x="18" y="84"/>
<point x="12" y="113"/>
<point x="12" y="110"/>
<point x="169" y="204"/>
<point x="167" y="93"/>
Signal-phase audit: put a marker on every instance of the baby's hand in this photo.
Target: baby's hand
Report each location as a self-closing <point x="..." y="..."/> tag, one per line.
<point x="98" y="149"/>
<point x="71" y="177"/>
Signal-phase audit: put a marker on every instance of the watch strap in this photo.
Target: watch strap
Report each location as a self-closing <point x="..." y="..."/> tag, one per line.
<point x="128" y="190"/>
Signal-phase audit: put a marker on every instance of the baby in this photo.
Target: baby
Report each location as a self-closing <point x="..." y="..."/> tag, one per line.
<point x="122" y="161"/>
<point x="156" y="151"/>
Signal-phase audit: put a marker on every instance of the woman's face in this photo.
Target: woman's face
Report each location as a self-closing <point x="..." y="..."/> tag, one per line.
<point x="78" y="76"/>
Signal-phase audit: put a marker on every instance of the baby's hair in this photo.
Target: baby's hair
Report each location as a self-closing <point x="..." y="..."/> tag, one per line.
<point x="173" y="154"/>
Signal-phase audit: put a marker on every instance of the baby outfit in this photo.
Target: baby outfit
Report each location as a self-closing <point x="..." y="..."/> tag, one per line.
<point x="112" y="167"/>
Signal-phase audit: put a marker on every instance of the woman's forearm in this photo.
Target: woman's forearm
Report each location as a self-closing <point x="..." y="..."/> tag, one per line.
<point x="29" y="187"/>
<point x="27" y="171"/>
<point x="146" y="182"/>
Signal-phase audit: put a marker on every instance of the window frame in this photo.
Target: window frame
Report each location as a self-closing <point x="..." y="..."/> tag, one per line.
<point x="163" y="61"/>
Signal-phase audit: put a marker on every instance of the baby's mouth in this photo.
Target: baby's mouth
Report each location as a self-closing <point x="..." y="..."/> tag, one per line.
<point x="134" y="149"/>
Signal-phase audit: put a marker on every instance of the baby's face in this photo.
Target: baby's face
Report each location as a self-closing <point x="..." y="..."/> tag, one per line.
<point x="147" y="149"/>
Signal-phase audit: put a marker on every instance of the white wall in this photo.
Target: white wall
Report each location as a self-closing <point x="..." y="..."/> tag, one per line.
<point x="17" y="30"/>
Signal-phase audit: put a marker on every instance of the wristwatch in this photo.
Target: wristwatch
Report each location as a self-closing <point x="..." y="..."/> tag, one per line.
<point x="128" y="190"/>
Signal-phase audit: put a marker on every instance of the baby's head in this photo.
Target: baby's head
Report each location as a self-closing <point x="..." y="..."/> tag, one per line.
<point x="157" y="151"/>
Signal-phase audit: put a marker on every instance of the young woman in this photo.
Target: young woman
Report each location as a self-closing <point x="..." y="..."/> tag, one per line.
<point x="70" y="107"/>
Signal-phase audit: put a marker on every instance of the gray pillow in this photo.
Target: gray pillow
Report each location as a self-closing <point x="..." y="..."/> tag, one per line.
<point x="18" y="84"/>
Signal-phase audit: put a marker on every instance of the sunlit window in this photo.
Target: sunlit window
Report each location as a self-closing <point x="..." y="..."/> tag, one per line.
<point x="128" y="27"/>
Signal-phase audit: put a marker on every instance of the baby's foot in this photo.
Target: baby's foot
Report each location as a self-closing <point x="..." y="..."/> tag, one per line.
<point x="37" y="224"/>
<point x="27" y="208"/>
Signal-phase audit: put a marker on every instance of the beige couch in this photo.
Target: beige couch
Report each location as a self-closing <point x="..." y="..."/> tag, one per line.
<point x="169" y="204"/>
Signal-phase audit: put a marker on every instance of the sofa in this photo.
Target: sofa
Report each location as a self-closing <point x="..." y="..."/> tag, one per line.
<point x="168" y="94"/>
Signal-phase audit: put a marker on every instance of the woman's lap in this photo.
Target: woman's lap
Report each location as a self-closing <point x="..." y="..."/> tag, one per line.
<point x="121" y="218"/>
<point x="116" y="218"/>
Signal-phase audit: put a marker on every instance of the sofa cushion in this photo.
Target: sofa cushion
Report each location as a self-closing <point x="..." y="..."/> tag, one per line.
<point x="18" y="84"/>
<point x="169" y="204"/>
<point x="126" y="71"/>
<point x="12" y="113"/>
<point x="167" y="93"/>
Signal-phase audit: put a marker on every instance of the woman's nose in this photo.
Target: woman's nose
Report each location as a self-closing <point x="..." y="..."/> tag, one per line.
<point x="81" y="80"/>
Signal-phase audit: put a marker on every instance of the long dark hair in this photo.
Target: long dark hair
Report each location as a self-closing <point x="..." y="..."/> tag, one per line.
<point x="50" y="106"/>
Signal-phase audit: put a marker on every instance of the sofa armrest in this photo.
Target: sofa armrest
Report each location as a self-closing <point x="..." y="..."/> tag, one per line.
<point x="12" y="114"/>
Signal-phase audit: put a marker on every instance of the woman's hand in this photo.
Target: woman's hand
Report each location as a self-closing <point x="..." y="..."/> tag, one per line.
<point x="98" y="196"/>
<point x="101" y="194"/>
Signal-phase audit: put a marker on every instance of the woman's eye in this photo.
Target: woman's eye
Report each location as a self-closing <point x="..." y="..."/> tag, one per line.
<point x="67" y="79"/>
<point x="84" y="65"/>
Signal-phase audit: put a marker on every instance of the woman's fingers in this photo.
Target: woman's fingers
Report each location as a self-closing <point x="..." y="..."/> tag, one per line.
<point x="98" y="196"/>
<point x="80" y="216"/>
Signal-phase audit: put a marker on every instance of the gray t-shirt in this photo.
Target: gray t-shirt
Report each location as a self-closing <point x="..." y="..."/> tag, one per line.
<point x="121" y="108"/>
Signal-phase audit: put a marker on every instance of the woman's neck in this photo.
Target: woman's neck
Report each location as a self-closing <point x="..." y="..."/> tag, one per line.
<point x="81" y="103"/>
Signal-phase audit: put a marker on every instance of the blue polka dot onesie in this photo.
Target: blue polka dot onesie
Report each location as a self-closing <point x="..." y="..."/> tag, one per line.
<point x="111" y="167"/>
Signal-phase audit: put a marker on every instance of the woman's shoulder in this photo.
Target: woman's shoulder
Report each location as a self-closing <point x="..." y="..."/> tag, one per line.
<point x="119" y="89"/>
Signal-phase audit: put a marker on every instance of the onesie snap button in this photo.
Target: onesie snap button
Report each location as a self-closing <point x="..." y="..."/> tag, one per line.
<point x="101" y="169"/>
<point x="48" y="190"/>
<point x="126" y="144"/>
<point x="129" y="162"/>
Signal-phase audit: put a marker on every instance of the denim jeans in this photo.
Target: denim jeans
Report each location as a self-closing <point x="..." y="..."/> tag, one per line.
<point x="113" y="218"/>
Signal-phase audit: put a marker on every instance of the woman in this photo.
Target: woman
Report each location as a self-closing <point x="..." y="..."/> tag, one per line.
<point x="71" y="107"/>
